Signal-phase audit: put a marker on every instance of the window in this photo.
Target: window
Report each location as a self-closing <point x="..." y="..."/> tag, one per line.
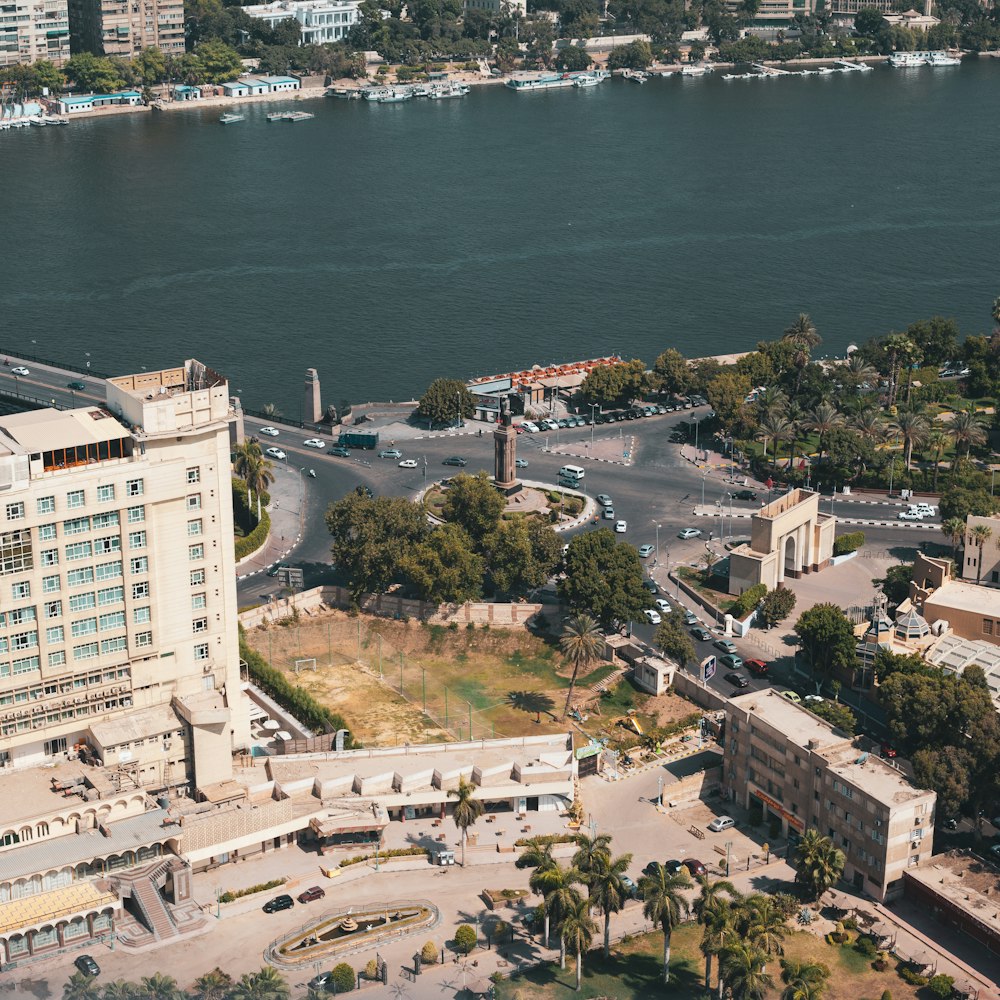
<point x="85" y="626"/>
<point x="15" y="552"/>
<point x="140" y="590"/>
<point x="52" y="747"/>
<point x="20" y="591"/>
<point x="109" y="571"/>
<point x="50" y="584"/>
<point x="139" y="565"/>
<point x="46" y="532"/>
<point x="133" y="488"/>
<point x="53" y="609"/>
<point x="20" y="615"/>
<point x="136" y="515"/>
<point x="194" y="528"/>
<point x="987" y="626"/>
<point x="105" y="494"/>
<point x="79" y="550"/>
<point x="81" y="602"/>
<point x="108" y="544"/>
<point x="196" y="552"/>
<point x="15" y="511"/>
<point x="25" y="665"/>
<point x="87" y="651"/>
<point x="140" y="616"/>
<point x="198" y="601"/>
<point x="107" y="520"/>
<point x="76" y="526"/>
<point x="194" y="475"/>
<point x="110" y="595"/>
<point x="197" y="577"/>
<point x="194" y="502"/>
<point x="54" y="635"/>
<point x="113" y="620"/>
<point x="144" y="639"/>
<point x="24" y="640"/>
<point x="199" y="625"/>
<point x="137" y="539"/>
<point x="115" y="645"/>
<point x="58" y="658"/>
<point x="45" y="505"/>
<point x="75" y="498"/>
<point x="201" y="651"/>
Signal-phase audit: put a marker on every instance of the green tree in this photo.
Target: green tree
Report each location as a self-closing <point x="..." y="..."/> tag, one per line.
<point x="827" y="639"/>
<point x="474" y="504"/>
<point x="592" y="853"/>
<point x="979" y="536"/>
<point x="672" y="372"/>
<point x="81" y="987"/>
<point x="465" y="938"/>
<point x="158" y="987"/>
<point x="536" y="853"/>
<point x="572" y="59"/>
<point x="547" y="874"/>
<point x="742" y="968"/>
<point x="727" y="392"/>
<point x="896" y="583"/>
<point x="837" y="714"/>
<point x="581" y="643"/>
<point x="954" y="529"/>
<point x="151" y="65"/>
<point x="949" y="771"/>
<point x="343" y="977"/>
<point x="868" y="22"/>
<point x="776" y="606"/>
<point x="607" y="890"/>
<point x="615" y="385"/>
<point x="221" y="62"/>
<point x="960" y="502"/>
<point x="604" y="579"/>
<point x="712" y="910"/>
<point x="818" y="864"/>
<point x="268" y="984"/>
<point x="561" y="899"/>
<point x="93" y="73"/>
<point x="214" y="985"/>
<point x="664" y="904"/>
<point x="577" y="932"/>
<point x="521" y="555"/>
<point x="913" y="429"/>
<point x="635" y="55"/>
<point x="674" y="641"/>
<point x="467" y="809"/>
<point x="443" y="568"/>
<point x="47" y="75"/>
<point x="803" y="980"/>
<point x="445" y="401"/>
<point x="766" y="928"/>
<point x="119" y="989"/>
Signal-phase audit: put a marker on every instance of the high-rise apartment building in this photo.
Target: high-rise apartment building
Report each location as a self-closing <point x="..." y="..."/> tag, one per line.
<point x="33" y="29"/>
<point x="126" y="27"/>
<point x="118" y="635"/>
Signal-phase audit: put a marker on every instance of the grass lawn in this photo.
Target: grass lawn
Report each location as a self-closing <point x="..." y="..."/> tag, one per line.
<point x="635" y="971"/>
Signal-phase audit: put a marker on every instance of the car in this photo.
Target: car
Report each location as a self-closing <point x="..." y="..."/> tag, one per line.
<point x="562" y="422"/>
<point x="791" y="696"/>
<point x="995" y="850"/>
<point x="689" y="533"/>
<point x="76" y="386"/>
<point x="621" y="527"/>
<point x="651" y="870"/>
<point x="87" y="965"/>
<point x="673" y="866"/>
<point x="340" y="451"/>
<point x="890" y="752"/>
<point x="456" y="460"/>
<point x="283" y="902"/>
<point x="731" y="661"/>
<point x="695" y="867"/>
<point x="604" y="500"/>
<point x="530" y="426"/>
<point x="320" y="981"/>
<point x="520" y="463"/>
<point x="744" y="495"/>
<point x="630" y="887"/>
<point x="314" y="443"/>
<point x="408" y="463"/>
<point x="277" y="568"/>
<point x="813" y="699"/>
<point x="271" y="432"/>
<point x="923" y="508"/>
<point x="312" y="893"/>
<point x="549" y="424"/>
<point x="662" y="606"/>
<point x="645" y="551"/>
<point x="608" y="514"/>
<point x="650" y="585"/>
<point x="757" y="667"/>
<point x="390" y="453"/>
<point x="701" y="634"/>
<point x="910" y="515"/>
<point x="20" y="370"/>
<point x="725" y="645"/>
<point x="737" y="680"/>
<point x="951" y="824"/>
<point x="275" y="453"/>
<point x="721" y="823"/>
<point x="652" y="616"/>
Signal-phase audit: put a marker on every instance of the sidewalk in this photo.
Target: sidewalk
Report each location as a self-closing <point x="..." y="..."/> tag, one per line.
<point x="287" y="512"/>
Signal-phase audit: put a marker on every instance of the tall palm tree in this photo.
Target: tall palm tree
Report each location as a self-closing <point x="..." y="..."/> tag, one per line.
<point x="81" y="987"/>
<point x="720" y="930"/>
<point x="578" y="934"/>
<point x="803" y="980"/>
<point x="776" y="429"/>
<point x="243" y="455"/>
<point x="954" y="529"/>
<point x="913" y="429"/>
<point x="709" y="558"/>
<point x="869" y="423"/>
<point x="270" y="410"/>
<point x="608" y="892"/>
<point x="742" y="969"/>
<point x="937" y="442"/>
<point x="967" y="431"/>
<point x="824" y="419"/>
<point x="119" y="989"/>
<point x="664" y="905"/>
<point x="860" y="372"/>
<point x="467" y="809"/>
<point x="818" y="864"/>
<point x="214" y="985"/>
<point x="158" y="987"/>
<point x="582" y="642"/>
<point x="898" y="348"/>
<point x="771" y="402"/>
<point x="536" y="853"/>
<point x="592" y="854"/>
<point x="795" y="416"/>
<point x="980" y="534"/>
<point x="268" y="984"/>
<point x="708" y="907"/>
<point x="562" y="897"/>
<point x="258" y="476"/>
<point x="803" y="331"/>
<point x="766" y="925"/>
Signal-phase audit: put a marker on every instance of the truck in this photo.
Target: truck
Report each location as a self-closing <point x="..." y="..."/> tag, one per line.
<point x="358" y="439"/>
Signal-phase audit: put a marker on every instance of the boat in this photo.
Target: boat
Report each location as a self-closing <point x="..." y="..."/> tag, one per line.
<point x="851" y="67"/>
<point x="695" y="69"/>
<point x="907" y="60"/>
<point x="453" y="90"/>
<point x="524" y="82"/>
<point x="825" y="70"/>
<point x="229" y="118"/>
<point x="942" y="59"/>
<point x="396" y="97"/>
<point x="276" y="116"/>
<point x="344" y="93"/>
<point x="298" y="116"/>
<point x="586" y="81"/>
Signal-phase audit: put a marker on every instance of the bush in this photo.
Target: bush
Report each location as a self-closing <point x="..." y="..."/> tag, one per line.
<point x="911" y="976"/>
<point x="394" y="852"/>
<point x="886" y="995"/>
<point x="465" y="939"/>
<point x="429" y="953"/>
<point x="371" y="969"/>
<point x="866" y="946"/>
<point x="850" y="924"/>
<point x="941" y="985"/>
<point x="230" y="894"/>
<point x="247" y="544"/>
<point x="748" y="600"/>
<point x="848" y="543"/>
<point x="343" y="977"/>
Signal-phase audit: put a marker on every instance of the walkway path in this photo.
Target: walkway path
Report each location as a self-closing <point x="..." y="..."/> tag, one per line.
<point x="287" y="512"/>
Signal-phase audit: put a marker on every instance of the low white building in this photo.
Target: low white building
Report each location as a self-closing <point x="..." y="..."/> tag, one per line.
<point x="508" y="7"/>
<point x="320" y="20"/>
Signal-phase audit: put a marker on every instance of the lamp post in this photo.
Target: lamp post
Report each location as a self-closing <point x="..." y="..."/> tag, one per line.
<point x="592" y="425"/>
<point x="695" y="420"/>
<point x="703" y="478"/>
<point x="656" y="558"/>
<point x="659" y="795"/>
<point x="458" y="406"/>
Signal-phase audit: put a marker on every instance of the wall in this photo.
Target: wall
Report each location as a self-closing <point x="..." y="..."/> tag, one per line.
<point x="693" y="787"/>
<point x="693" y="689"/>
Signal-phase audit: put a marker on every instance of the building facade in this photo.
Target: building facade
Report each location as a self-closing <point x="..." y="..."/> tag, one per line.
<point x="126" y="27"/>
<point x="981" y="557"/>
<point x="807" y="775"/>
<point x="320" y="21"/>
<point x="34" y="29"/>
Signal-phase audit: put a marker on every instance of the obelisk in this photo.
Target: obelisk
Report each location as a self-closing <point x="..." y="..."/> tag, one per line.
<point x="505" y="452"/>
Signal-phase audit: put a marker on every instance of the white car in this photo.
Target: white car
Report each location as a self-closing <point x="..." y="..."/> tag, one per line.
<point x="621" y="527"/>
<point x="689" y="533"/>
<point x="910" y="515"/>
<point x="314" y="443"/>
<point x="662" y="606"/>
<point x="721" y="823"/>
<point x="653" y="616"/>
<point x="923" y="508"/>
<point x="608" y="513"/>
<point x="813" y="699"/>
<point x="530" y="426"/>
<point x="408" y="463"/>
<point x="20" y="370"/>
<point x="275" y="453"/>
<point x="271" y="432"/>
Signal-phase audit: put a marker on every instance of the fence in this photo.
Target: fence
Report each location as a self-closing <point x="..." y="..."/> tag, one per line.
<point x="21" y="355"/>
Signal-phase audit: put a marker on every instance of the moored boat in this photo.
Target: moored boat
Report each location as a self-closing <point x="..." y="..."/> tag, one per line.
<point x="230" y="118"/>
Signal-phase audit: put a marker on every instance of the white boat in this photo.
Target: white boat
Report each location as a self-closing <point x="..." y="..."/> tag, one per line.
<point x="907" y="60"/>
<point x="696" y="69"/>
<point x="376" y="93"/>
<point x="525" y="82"/>
<point x="586" y="81"/>
<point x="942" y="59"/>
<point x="851" y="67"/>
<point x="276" y="116"/>
<point x="344" y="93"/>
<point x="229" y="118"/>
<point x="298" y="116"/>
<point x="825" y="70"/>
<point x="454" y="90"/>
<point x="396" y="97"/>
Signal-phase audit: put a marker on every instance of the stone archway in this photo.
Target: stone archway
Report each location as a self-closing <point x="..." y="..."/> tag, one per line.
<point x="789" y="551"/>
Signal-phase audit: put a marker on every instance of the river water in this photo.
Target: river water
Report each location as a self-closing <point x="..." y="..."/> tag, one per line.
<point x="388" y="244"/>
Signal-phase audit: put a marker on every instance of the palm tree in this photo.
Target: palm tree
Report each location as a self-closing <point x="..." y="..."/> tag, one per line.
<point x="954" y="529"/>
<point x="708" y="907"/>
<point x="899" y="348"/>
<point x="742" y="969"/>
<point x="709" y="558"/>
<point x="818" y="864"/>
<point x="536" y="853"/>
<point x="467" y="809"/>
<point x="119" y="989"/>
<point x="214" y="985"/>
<point x="913" y="429"/>
<point x="796" y="419"/>
<point x="771" y="402"/>
<point x="258" y="477"/>
<point x="562" y="897"/>
<point x="243" y="455"/>
<point x="776" y="428"/>
<point x="803" y="980"/>
<point x="967" y="431"/>
<point x="981" y="534"/>
<point x="578" y="934"/>
<point x="824" y="419"/>
<point x="582" y="642"/>
<point x="720" y="930"/>
<point x="860" y="372"/>
<point x="608" y="892"/>
<point x="664" y="905"/>
<point x="766" y="925"/>
<point x="81" y="987"/>
<point x="158" y="987"/>
<point x="270" y="410"/>
<point x="937" y="441"/>
<point x="268" y="984"/>
<point x="803" y="331"/>
<point x="593" y="853"/>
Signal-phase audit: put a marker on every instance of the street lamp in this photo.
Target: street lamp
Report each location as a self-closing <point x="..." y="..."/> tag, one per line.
<point x="458" y="405"/>
<point x="592" y="407"/>
<point x="695" y="419"/>
<point x="656" y="558"/>
<point x="703" y="478"/>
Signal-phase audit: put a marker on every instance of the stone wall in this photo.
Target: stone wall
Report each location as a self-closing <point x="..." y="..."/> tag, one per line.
<point x="692" y="689"/>
<point x="694" y="787"/>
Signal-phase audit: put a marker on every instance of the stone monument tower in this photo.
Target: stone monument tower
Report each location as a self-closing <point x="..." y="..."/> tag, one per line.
<point x="312" y="409"/>
<point x="505" y="452"/>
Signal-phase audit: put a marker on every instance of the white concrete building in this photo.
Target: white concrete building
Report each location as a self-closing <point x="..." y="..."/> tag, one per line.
<point x="34" y="29"/>
<point x="321" y="20"/>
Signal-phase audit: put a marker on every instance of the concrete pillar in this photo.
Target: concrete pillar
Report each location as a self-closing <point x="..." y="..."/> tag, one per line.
<point x="504" y="446"/>
<point x="312" y="407"/>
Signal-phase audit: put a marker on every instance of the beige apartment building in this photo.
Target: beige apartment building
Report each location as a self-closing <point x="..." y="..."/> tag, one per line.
<point x="34" y="29"/>
<point x="126" y="27"/>
<point x="981" y="562"/>
<point x="808" y="775"/>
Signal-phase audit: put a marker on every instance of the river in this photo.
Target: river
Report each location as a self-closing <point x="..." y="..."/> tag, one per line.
<point x="389" y="244"/>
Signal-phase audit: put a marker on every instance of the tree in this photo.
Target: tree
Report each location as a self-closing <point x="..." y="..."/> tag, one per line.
<point x="81" y="987"/>
<point x="824" y="419"/>
<point x="581" y="643"/>
<point x="93" y="73"/>
<point x="913" y="429"/>
<point x="158" y="987"/>
<point x="949" y="771"/>
<point x="664" y="904"/>
<point x="465" y="938"/>
<point x="954" y="529"/>
<point x="803" y="980"/>
<point x="708" y="560"/>
<point x="474" y="504"/>
<point x="727" y="393"/>
<point x="572" y="59"/>
<point x="818" y="864"/>
<point x="578" y="931"/>
<point x="607" y="890"/>
<point x="980" y="535"/>
<point x="960" y="502"/>
<point x="119" y="989"/>
<point x="467" y="809"/>
<point x="896" y="583"/>
<point x="868" y="22"/>
<point x="775" y="429"/>
<point x="521" y="555"/>
<point x="967" y="431"/>
<point x="592" y="854"/>
<point x="937" y="443"/>
<point x="712" y="911"/>
<point x="343" y="977"/>
<point x="837" y="714"/>
<point x="268" y="984"/>
<point x="561" y="897"/>
<point x="635" y="55"/>
<point x="615" y="385"/>
<point x="674" y="641"/>
<point x="536" y="853"/>
<point x="742" y="968"/>
<point x="672" y="372"/>
<point x="221" y="62"/>
<point x="443" y="568"/>
<point x="446" y="401"/>
<point x="827" y="640"/>
<point x="151" y="65"/>
<point x="775" y="606"/>
<point x="765" y="924"/>
<point x="548" y="873"/>
<point x="214" y="985"/>
<point x="604" y="579"/>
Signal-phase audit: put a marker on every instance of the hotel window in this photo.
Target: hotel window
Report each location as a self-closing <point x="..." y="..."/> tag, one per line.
<point x="140" y="590"/>
<point x="15" y="552"/>
<point x="25" y="665"/>
<point x="198" y="601"/>
<point x="88" y="651"/>
<point x="137" y="539"/>
<point x="58" y="658"/>
<point x="15" y="511"/>
<point x="199" y="625"/>
<point x="46" y="532"/>
<point x="194" y="527"/>
<point x="140" y="564"/>
<point x="109" y="622"/>
<point x="75" y="498"/>
<point x="140" y="616"/>
<point x="53" y="609"/>
<point x="20" y="615"/>
<point x="78" y="550"/>
<point x="194" y="475"/>
<point x="133" y="488"/>
<point x="110" y="595"/>
<point x="144" y="638"/>
<point x="76" y="526"/>
<point x="987" y="626"/>
<point x="197" y="577"/>
<point x="54" y="635"/>
<point x="24" y="640"/>
<point x="20" y="591"/>
<point x="196" y="552"/>
<point x="108" y="544"/>
<point x="105" y="494"/>
<point x="194" y="502"/>
<point x="107" y="520"/>
<point x="85" y="626"/>
<point x="50" y="557"/>
<point x="136" y="515"/>
<point x="201" y="651"/>
<point x="115" y="645"/>
<point x="50" y="584"/>
<point x="109" y="571"/>
<point x="81" y="602"/>
<point x="45" y="505"/>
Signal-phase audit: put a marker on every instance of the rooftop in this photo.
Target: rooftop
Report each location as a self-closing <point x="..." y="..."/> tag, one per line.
<point x="37" y="431"/>
<point x="793" y="721"/>
<point x="782" y="505"/>
<point x="191" y="377"/>
<point x="962" y="597"/>
<point x="48" y="906"/>
<point x="136" y="726"/>
<point x="953" y="654"/>
<point x="878" y="779"/>
<point x="972" y="885"/>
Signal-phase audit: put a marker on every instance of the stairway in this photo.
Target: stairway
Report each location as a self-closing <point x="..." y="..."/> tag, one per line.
<point x="149" y="901"/>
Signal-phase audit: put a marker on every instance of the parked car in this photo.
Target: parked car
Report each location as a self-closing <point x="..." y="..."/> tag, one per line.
<point x="320" y="982"/>
<point x="456" y="460"/>
<point x="87" y="965"/>
<point x="651" y="869"/>
<point x="340" y="451"/>
<point x="890" y="752"/>
<point x="745" y="495"/>
<point x="737" y="680"/>
<point x="604" y="500"/>
<point x="621" y="527"/>
<point x="283" y="902"/>
<point x="408" y="463"/>
<point x="314" y="443"/>
<point x="311" y="894"/>
<point x="520" y="463"/>
<point x="791" y="696"/>
<point x="725" y="645"/>
<point x="390" y="453"/>
<point x="650" y="585"/>
<point x="673" y="867"/>
<point x="731" y="660"/>
<point x="701" y="634"/>
<point x="530" y="426"/>
<point x="271" y="432"/>
<point x="695" y="867"/>
<point x="653" y="617"/>
<point x="813" y="699"/>
<point x="690" y="618"/>
<point x="645" y="551"/>
<point x="721" y="823"/>
<point x="689" y="533"/>
<point x="630" y="887"/>
<point x="757" y="667"/>
<point x="76" y="386"/>
<point x="662" y="606"/>
<point x="275" y="453"/>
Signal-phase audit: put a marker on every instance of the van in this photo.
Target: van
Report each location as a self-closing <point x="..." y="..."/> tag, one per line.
<point x="573" y="472"/>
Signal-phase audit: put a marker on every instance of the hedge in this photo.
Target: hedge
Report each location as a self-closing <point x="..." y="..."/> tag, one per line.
<point x="748" y="600"/>
<point x="395" y="852"/>
<point x="297" y="700"/>
<point x="248" y="544"/>
<point x="547" y="838"/>
<point x="848" y="543"/>
<point x="231" y="894"/>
